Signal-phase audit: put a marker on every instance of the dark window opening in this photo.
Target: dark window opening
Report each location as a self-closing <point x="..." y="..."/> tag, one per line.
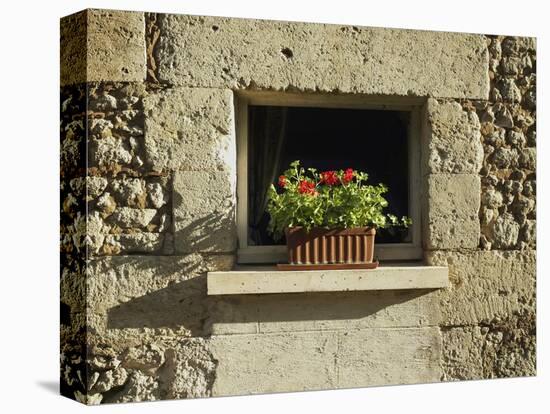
<point x="374" y="141"/>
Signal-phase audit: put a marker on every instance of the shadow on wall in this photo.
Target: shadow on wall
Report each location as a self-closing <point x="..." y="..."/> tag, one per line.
<point x="215" y="232"/>
<point x="186" y="305"/>
<point x="179" y="305"/>
<point x="316" y="308"/>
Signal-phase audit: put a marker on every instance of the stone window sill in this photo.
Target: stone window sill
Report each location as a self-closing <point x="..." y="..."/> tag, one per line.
<point x="267" y="279"/>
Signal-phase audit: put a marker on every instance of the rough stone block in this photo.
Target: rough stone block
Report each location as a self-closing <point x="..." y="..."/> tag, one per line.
<point x="451" y="211"/>
<point x="73" y="31"/>
<point x="388" y="356"/>
<point x="190" y="369"/>
<point x="204" y="212"/>
<point x="116" y="46"/>
<point x="135" y="296"/>
<point x="486" y="285"/>
<point x="462" y="353"/>
<point x="190" y="129"/>
<point x="452" y="139"/>
<point x="255" y="364"/>
<point x="103" y="45"/>
<point x="501" y="348"/>
<point x="243" y="53"/>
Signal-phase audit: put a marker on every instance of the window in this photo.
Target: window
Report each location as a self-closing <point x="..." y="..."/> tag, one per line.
<point x="326" y="132"/>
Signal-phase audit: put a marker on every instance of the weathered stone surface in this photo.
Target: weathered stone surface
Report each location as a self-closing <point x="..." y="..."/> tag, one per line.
<point x="130" y="191"/>
<point x="133" y="243"/>
<point x="369" y="357"/>
<point x="462" y="353"/>
<point x="93" y="229"/>
<point x="452" y="220"/>
<point x="251" y="364"/>
<point x="190" y="129"/>
<point x="504" y="232"/>
<point x="140" y="296"/>
<point x="116" y="46"/>
<point x="89" y="187"/>
<point x="156" y="195"/>
<point x="191" y="369"/>
<point x="245" y="53"/>
<point x="254" y="364"/>
<point x="108" y="151"/>
<point x="204" y="212"/>
<point x="106" y="205"/>
<point x="108" y="380"/>
<point x="502" y="347"/>
<point x="322" y="311"/>
<point x="100" y="45"/>
<point x="73" y="59"/>
<point x="146" y="358"/>
<point x="453" y="139"/>
<point x="139" y="387"/>
<point x="528" y="158"/>
<point x="132" y="217"/>
<point x="486" y="285"/>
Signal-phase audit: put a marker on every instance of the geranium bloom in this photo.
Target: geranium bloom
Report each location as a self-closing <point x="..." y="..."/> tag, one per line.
<point x="329" y="178"/>
<point x="348" y="175"/>
<point x="282" y="181"/>
<point x="306" y="187"/>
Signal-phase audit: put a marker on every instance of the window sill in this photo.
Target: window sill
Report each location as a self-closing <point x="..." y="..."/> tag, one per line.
<point x="267" y="279"/>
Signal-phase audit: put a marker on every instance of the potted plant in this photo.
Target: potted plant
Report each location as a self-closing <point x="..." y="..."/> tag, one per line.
<point x="329" y="218"/>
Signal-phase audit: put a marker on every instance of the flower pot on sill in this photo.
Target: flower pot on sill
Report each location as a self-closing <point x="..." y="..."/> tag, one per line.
<point x="348" y="248"/>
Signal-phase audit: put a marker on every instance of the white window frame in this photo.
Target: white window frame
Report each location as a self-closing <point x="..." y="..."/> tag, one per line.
<point x="278" y="254"/>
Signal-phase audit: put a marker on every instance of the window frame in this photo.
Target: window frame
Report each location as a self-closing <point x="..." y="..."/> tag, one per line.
<point x="277" y="254"/>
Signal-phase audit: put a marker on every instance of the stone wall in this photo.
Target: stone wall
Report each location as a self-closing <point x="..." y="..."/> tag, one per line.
<point x="489" y="326"/>
<point x="148" y="177"/>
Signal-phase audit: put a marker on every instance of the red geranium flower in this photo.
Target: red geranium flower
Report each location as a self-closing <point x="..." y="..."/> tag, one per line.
<point x="307" y="187"/>
<point x="348" y="175"/>
<point x="282" y="181"/>
<point x="329" y="178"/>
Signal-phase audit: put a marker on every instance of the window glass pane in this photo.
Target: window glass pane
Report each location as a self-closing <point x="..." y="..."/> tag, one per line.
<point x="374" y="141"/>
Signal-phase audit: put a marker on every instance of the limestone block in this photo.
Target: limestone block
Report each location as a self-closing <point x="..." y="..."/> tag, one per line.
<point x="116" y="46"/>
<point x="73" y="285"/>
<point x="135" y="296"/>
<point x="133" y="243"/>
<point x="204" y="212"/>
<point x="139" y="387"/>
<point x="103" y="45"/>
<point x="73" y="42"/>
<point x="191" y="368"/>
<point x="190" y="129"/>
<point x="109" y="151"/>
<point x="322" y="311"/>
<point x="243" y="53"/>
<point x="462" y="353"/>
<point x="451" y="212"/>
<point x="500" y="348"/>
<point x="504" y="231"/>
<point x="132" y="217"/>
<point x="452" y="139"/>
<point x="265" y="281"/>
<point x="254" y="364"/>
<point x="388" y="356"/>
<point x="485" y="284"/>
<point x="146" y="358"/>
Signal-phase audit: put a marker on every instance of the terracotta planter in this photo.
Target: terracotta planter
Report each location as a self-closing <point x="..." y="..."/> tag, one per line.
<point x="321" y="246"/>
